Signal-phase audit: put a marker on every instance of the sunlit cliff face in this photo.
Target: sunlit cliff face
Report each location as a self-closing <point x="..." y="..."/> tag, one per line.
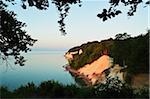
<point x="96" y="68"/>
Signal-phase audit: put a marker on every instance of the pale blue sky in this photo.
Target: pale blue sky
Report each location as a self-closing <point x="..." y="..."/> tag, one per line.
<point x="82" y="24"/>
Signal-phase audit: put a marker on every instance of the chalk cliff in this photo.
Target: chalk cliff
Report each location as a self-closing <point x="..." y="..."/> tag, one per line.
<point x="92" y="61"/>
<point x="95" y="71"/>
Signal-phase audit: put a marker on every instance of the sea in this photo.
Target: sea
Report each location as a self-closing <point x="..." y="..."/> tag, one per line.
<point x="39" y="66"/>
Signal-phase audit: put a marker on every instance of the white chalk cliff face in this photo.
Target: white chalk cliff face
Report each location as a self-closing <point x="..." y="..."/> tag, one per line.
<point x="95" y="70"/>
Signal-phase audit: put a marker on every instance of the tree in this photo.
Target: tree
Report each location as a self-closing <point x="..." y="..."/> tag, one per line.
<point x="132" y="51"/>
<point x="63" y="7"/>
<point x="122" y="36"/>
<point x="13" y="39"/>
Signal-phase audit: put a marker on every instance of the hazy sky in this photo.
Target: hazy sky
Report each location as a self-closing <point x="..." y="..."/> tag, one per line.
<point x="82" y="24"/>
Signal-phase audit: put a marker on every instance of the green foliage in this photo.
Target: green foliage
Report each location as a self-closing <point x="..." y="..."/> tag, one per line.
<point x="113" y="88"/>
<point x="126" y="50"/>
<point x="26" y="91"/>
<point x="140" y="93"/>
<point x="134" y="51"/>
<point x="91" y="52"/>
<point x="52" y="89"/>
<point x="70" y="91"/>
<point x="122" y="36"/>
<point x="5" y="93"/>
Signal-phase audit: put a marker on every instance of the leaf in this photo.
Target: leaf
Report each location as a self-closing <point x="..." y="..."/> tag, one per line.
<point x="104" y="18"/>
<point x="148" y="2"/>
<point x="118" y="12"/>
<point x="30" y="2"/>
<point x="113" y="14"/>
<point x="109" y="15"/>
<point x="24" y="6"/>
<point x="99" y="15"/>
<point x="104" y="10"/>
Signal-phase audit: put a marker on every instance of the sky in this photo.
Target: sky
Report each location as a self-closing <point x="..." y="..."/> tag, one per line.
<point x="82" y="24"/>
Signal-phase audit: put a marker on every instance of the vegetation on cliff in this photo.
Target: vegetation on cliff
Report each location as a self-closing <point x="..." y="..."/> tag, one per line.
<point x="91" y="51"/>
<point x="125" y="50"/>
<point x="134" y="52"/>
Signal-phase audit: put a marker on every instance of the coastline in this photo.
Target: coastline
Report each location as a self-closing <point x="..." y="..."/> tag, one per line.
<point x="75" y="73"/>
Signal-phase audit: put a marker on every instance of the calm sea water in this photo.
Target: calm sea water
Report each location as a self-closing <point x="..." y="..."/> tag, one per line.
<point x="40" y="66"/>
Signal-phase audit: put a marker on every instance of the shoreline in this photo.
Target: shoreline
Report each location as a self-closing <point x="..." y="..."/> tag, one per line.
<point x="75" y="73"/>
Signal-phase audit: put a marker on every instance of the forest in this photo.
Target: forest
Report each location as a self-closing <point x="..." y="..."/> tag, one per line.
<point x="54" y="89"/>
<point x="124" y="49"/>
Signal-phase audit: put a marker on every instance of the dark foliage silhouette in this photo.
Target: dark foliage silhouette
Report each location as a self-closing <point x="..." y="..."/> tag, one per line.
<point x="113" y="11"/>
<point x="114" y="88"/>
<point x="39" y="4"/>
<point x="63" y="7"/>
<point x="13" y="39"/>
<point x="52" y="89"/>
<point x="134" y="51"/>
<point x="108" y="14"/>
